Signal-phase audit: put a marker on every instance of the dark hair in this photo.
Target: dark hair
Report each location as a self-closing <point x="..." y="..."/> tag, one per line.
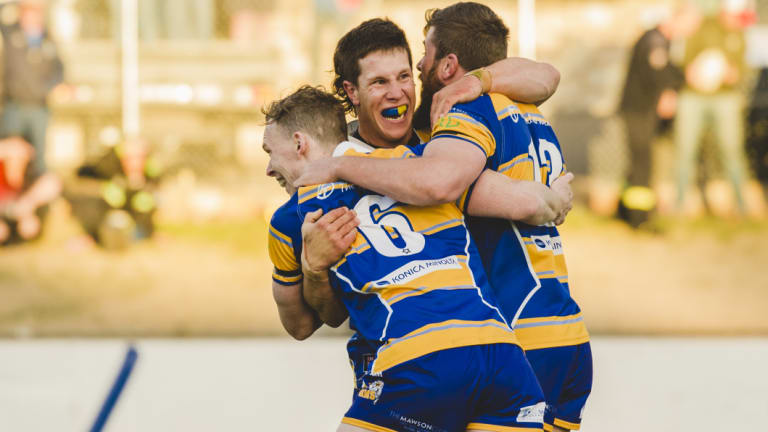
<point x="311" y="110"/>
<point x="373" y="35"/>
<point x="470" y="30"/>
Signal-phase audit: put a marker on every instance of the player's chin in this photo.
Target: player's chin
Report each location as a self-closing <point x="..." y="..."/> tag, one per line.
<point x="395" y="128"/>
<point x="289" y="188"/>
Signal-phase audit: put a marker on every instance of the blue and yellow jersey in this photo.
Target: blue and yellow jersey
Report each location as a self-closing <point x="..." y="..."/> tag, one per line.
<point x="284" y="243"/>
<point x="412" y="281"/>
<point x="525" y="264"/>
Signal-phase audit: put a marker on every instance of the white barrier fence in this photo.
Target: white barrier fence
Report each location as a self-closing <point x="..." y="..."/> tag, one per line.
<point x="641" y="384"/>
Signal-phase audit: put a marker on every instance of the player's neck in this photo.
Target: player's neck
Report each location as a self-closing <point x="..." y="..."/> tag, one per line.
<point x="377" y="141"/>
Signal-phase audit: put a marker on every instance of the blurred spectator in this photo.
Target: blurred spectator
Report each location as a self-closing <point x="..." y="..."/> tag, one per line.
<point x="714" y="72"/>
<point x="757" y="132"/>
<point x="31" y="69"/>
<point x="23" y="195"/>
<point x="650" y="94"/>
<point x="113" y="198"/>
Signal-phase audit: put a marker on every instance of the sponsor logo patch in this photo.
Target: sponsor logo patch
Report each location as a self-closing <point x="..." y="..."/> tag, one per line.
<point x="416" y="269"/>
<point x="547" y="243"/>
<point x="532" y="413"/>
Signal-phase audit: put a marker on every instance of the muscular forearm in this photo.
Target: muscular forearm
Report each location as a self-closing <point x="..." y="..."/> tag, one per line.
<point x="417" y="181"/>
<point x="496" y="195"/>
<point x="320" y="296"/>
<point x="524" y="80"/>
<point x="297" y="318"/>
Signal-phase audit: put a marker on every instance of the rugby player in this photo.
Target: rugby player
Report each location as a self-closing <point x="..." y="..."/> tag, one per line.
<point x="373" y="61"/>
<point x="525" y="262"/>
<point x="373" y="69"/>
<point x="442" y="358"/>
<point x="374" y="79"/>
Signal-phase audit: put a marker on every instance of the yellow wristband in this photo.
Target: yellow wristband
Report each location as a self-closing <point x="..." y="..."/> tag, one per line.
<point x="484" y="75"/>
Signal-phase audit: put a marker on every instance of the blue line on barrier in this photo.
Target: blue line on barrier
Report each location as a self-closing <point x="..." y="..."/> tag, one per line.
<point x="117" y="387"/>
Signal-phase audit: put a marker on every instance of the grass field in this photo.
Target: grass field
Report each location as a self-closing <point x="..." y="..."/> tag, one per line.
<point x="699" y="277"/>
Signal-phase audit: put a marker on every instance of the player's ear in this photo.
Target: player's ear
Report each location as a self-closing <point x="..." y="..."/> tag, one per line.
<point x="351" y="91"/>
<point x="301" y="143"/>
<point x="448" y="68"/>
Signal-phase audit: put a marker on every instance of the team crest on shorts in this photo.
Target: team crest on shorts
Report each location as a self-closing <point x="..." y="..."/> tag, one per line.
<point x="371" y="391"/>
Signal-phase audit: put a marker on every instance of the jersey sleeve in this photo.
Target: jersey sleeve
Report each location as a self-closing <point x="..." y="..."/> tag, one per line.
<point x="466" y="125"/>
<point x="284" y="244"/>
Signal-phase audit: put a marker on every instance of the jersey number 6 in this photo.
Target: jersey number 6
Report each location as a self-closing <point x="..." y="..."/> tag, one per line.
<point x="390" y="234"/>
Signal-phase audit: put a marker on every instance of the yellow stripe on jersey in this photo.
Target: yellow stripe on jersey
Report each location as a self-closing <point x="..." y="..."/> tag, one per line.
<point x="531" y="114"/>
<point x="349" y="148"/>
<point x="394" y="295"/>
<point x="426" y="220"/>
<point x="567" y="425"/>
<point x="358" y="246"/>
<point x="561" y="270"/>
<point x="548" y="427"/>
<point x="519" y="168"/>
<point x="280" y="249"/>
<point x="448" y="271"/>
<point x="497" y="428"/>
<point x="323" y="190"/>
<point x="466" y="127"/>
<point x="545" y="261"/>
<point x="506" y="166"/>
<point x="280" y="236"/>
<point x="441" y="336"/>
<point x="461" y="203"/>
<point x="286" y="279"/>
<point x="528" y="108"/>
<point x="505" y="108"/>
<point x="443" y="279"/>
<point x="442" y="226"/>
<point x="551" y="332"/>
<point x="365" y="425"/>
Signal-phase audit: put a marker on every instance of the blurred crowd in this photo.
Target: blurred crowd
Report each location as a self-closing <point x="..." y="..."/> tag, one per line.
<point x="188" y="19"/>
<point x="688" y="84"/>
<point x="111" y="196"/>
<point x="31" y="69"/>
<point x="688" y="79"/>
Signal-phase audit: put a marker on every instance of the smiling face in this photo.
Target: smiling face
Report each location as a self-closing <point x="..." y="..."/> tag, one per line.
<point x="284" y="160"/>
<point x="384" y="97"/>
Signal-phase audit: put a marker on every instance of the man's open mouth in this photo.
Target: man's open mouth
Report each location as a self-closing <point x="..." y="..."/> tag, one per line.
<point x="395" y="112"/>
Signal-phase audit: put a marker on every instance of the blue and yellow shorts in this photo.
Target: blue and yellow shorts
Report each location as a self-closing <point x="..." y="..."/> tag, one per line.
<point x="482" y="386"/>
<point x="565" y="376"/>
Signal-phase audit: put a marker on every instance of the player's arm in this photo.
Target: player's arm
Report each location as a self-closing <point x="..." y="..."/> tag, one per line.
<point x="498" y="196"/>
<point x="524" y="80"/>
<point x="448" y="166"/>
<point x="519" y="79"/>
<point x="297" y="318"/>
<point x="325" y="240"/>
